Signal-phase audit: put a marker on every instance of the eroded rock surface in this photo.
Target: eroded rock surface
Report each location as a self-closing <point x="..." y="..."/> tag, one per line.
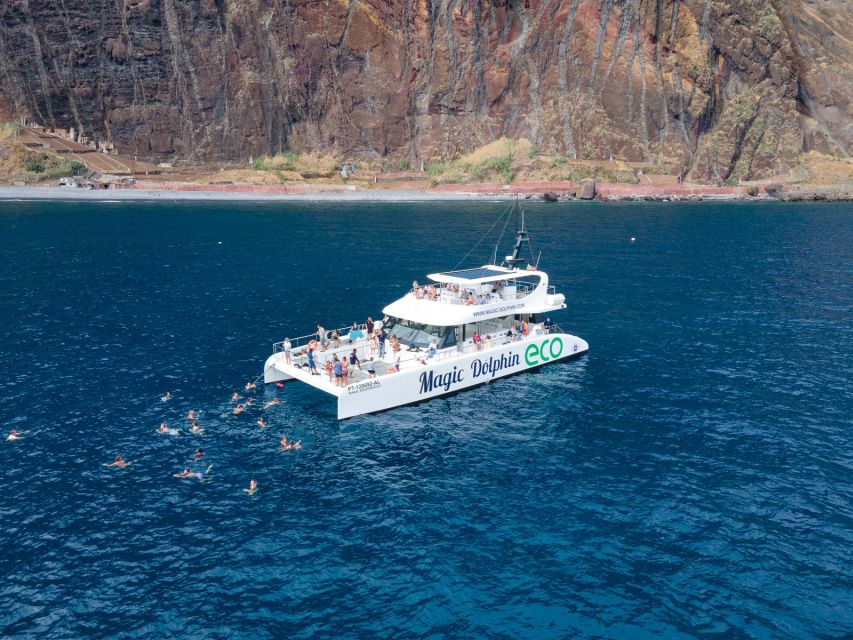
<point x="721" y="88"/>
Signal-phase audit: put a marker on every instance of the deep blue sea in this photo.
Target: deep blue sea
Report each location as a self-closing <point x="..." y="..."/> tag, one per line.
<point x="692" y="476"/>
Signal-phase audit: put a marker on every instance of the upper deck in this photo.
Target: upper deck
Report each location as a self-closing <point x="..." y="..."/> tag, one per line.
<point x="473" y="295"/>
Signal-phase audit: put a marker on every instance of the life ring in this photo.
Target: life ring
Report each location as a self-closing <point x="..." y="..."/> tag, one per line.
<point x="312" y="344"/>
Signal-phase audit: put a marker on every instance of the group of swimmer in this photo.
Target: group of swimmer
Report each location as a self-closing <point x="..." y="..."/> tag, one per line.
<point x="195" y="428"/>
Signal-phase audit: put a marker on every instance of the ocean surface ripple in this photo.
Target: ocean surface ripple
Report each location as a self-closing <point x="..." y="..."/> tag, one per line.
<point x="692" y="476"/>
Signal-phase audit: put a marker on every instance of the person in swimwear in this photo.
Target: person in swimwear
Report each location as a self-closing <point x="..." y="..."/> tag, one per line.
<point x="238" y="410"/>
<point x="249" y="402"/>
<point x="284" y="445"/>
<point x="253" y="486"/>
<point x="165" y="430"/>
<point x="119" y="462"/>
<point x="186" y="473"/>
<point x="250" y="386"/>
<point x="13" y="435"/>
<point x="166" y="397"/>
<point x="198" y="455"/>
<point x="262" y="423"/>
<point x="196" y="428"/>
<point x="272" y="402"/>
<point x="236" y="397"/>
<point x="192" y="415"/>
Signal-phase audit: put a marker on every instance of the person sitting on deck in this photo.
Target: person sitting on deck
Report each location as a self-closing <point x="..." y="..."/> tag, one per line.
<point x="355" y="333"/>
<point x="477" y="341"/>
<point x="431" y="351"/>
<point x="419" y="293"/>
<point x="548" y="325"/>
<point x="470" y="298"/>
<point x="431" y="292"/>
<point x="336" y="339"/>
<point x="415" y="286"/>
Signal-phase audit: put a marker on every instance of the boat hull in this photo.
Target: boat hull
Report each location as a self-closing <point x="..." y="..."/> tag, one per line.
<point x="448" y="376"/>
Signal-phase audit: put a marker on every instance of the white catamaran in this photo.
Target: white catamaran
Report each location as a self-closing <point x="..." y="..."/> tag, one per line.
<point x="465" y="328"/>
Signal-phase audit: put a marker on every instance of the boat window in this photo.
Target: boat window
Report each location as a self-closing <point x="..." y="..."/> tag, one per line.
<point x="415" y="334"/>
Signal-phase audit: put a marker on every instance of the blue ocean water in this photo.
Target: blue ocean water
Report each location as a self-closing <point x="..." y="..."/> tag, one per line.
<point x="692" y="476"/>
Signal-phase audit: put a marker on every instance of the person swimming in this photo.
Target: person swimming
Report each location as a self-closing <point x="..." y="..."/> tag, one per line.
<point x="13" y="435"/>
<point x="164" y="429"/>
<point x="262" y="423"/>
<point x="186" y="473"/>
<point x="235" y="397"/>
<point x="284" y="445"/>
<point x="250" y="386"/>
<point x="198" y="455"/>
<point x="238" y="410"/>
<point x="196" y="428"/>
<point x="192" y="415"/>
<point x="119" y="462"/>
<point x="253" y="486"/>
<point x="272" y="402"/>
<point x="249" y="402"/>
<point x="166" y="397"/>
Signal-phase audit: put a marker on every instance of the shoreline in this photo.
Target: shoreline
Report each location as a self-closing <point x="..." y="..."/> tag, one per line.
<point x="468" y="193"/>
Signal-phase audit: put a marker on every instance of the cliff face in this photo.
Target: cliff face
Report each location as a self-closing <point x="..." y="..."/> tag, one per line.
<point x="723" y="88"/>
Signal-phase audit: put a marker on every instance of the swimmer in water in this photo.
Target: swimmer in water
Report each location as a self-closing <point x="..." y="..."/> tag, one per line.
<point x="198" y="455"/>
<point x="253" y="486"/>
<point x="192" y="415"/>
<point x="166" y="397"/>
<point x="119" y="462"/>
<point x="272" y="402"/>
<point x="238" y="410"/>
<point x="249" y="402"/>
<point x="250" y="386"/>
<point x="284" y="445"/>
<point x="186" y="473"/>
<point x="262" y="423"/>
<point x="13" y="435"/>
<point x="235" y="397"/>
<point x="196" y="428"/>
<point x="164" y="429"/>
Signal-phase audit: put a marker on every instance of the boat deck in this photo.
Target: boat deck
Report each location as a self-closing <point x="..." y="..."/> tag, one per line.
<point x="392" y="363"/>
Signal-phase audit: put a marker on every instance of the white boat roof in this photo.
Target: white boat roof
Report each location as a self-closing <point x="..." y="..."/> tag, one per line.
<point x="453" y="312"/>
<point x="479" y="275"/>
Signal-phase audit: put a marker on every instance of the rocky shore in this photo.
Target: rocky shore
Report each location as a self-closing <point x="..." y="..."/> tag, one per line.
<point x="530" y="191"/>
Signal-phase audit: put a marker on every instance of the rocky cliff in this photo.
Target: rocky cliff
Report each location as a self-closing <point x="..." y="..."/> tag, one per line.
<point x="722" y="88"/>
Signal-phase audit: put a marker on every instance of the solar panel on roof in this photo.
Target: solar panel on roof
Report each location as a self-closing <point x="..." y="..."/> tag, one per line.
<point x="474" y="274"/>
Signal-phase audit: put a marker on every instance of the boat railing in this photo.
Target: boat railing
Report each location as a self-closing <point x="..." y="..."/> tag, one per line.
<point x="299" y="343"/>
<point x="448" y="295"/>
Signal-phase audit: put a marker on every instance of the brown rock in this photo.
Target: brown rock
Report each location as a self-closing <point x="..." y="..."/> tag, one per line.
<point x="579" y="78"/>
<point x="586" y="189"/>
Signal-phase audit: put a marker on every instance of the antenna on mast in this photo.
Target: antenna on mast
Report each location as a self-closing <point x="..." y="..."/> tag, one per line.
<point x="520" y="237"/>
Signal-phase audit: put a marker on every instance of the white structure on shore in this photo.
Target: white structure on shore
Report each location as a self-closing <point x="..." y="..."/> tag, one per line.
<point x="465" y="328"/>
